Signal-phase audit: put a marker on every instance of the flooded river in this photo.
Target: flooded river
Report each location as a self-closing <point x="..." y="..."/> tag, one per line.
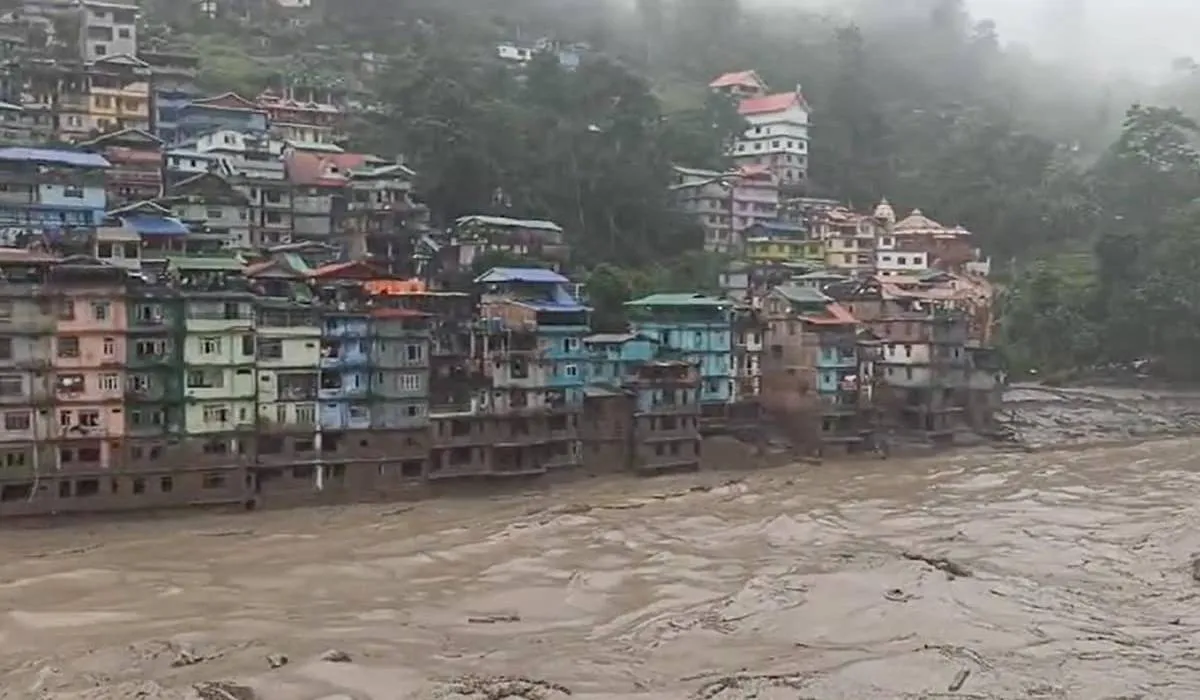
<point x="783" y="584"/>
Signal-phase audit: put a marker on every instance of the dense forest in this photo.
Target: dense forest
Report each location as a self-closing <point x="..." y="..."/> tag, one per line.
<point x="1083" y="197"/>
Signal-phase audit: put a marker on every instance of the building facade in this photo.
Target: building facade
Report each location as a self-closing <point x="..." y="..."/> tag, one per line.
<point x="697" y="328"/>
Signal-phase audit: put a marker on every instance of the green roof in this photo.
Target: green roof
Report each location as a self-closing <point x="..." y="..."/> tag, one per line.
<point x="684" y="299"/>
<point x="214" y="264"/>
<point x="802" y="295"/>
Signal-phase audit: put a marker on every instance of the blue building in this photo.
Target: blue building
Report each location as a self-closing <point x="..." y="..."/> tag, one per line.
<point x="697" y="329"/>
<point x="345" y="371"/>
<point x="51" y="194"/>
<point x="616" y="356"/>
<point x="532" y="331"/>
<point x="228" y="111"/>
<point x="173" y="87"/>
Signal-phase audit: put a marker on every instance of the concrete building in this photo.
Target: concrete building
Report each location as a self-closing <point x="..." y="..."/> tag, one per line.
<point x="136" y="158"/>
<point x="305" y="114"/>
<point x="118" y="94"/>
<point x="666" y="420"/>
<point x="50" y="194"/>
<point x="776" y="136"/>
<point x="173" y="86"/>
<point x="698" y="329"/>
<point x="727" y="204"/>
<point x="209" y="204"/>
<point x="107" y="29"/>
<point x="227" y="111"/>
<point x="615" y="356"/>
<point x="88" y="365"/>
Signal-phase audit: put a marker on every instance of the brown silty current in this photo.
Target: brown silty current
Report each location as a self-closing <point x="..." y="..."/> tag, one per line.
<point x="1081" y="587"/>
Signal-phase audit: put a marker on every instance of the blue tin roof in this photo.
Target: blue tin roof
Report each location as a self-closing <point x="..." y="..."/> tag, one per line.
<point x="155" y="225"/>
<point x="75" y="159"/>
<point x="532" y="275"/>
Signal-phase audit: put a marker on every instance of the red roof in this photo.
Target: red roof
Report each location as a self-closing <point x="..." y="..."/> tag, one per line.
<point x="745" y="78"/>
<point x="838" y="316"/>
<point x="228" y="100"/>
<point x="321" y="169"/>
<point x="771" y="103"/>
<point x="351" y="269"/>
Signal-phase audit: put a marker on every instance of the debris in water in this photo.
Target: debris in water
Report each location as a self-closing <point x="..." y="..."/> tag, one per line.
<point x="953" y="568"/>
<point x="506" y="688"/>
<point x="336" y="656"/>
<point x="1196" y="567"/>
<point x="959" y="679"/>
<point x="223" y="690"/>
<point x="897" y="595"/>
<point x="277" y="660"/>
<point x="492" y="619"/>
<point x="186" y="657"/>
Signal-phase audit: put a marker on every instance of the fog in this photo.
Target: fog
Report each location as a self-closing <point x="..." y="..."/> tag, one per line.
<point x="1133" y="37"/>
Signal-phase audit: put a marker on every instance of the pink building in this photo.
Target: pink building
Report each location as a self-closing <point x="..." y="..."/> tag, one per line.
<point x="87" y="424"/>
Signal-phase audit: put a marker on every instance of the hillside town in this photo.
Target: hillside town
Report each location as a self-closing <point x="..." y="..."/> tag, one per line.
<point x="207" y="300"/>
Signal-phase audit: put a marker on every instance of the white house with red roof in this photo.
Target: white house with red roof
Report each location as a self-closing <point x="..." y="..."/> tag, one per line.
<point x="776" y="135"/>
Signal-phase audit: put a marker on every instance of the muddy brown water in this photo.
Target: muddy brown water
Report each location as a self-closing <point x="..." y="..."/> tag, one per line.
<point x="794" y="578"/>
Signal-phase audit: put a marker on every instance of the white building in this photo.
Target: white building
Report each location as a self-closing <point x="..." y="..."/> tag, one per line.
<point x="889" y="263"/>
<point x="777" y="136"/>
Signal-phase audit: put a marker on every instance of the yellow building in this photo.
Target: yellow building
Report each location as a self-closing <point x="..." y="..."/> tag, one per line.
<point x="771" y="250"/>
<point x="119" y="94"/>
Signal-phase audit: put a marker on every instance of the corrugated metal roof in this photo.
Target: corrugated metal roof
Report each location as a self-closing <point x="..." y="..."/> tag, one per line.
<point x="612" y="338"/>
<point x="229" y="264"/>
<point x="504" y="221"/>
<point x="74" y="159"/>
<point x="155" y="225"/>
<point x="685" y="299"/>
<point x="802" y="295"/>
<point x="531" y="275"/>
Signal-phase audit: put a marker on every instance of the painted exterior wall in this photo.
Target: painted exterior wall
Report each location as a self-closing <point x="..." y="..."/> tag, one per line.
<point x="345" y="373"/>
<point x="218" y="349"/>
<point x="399" y="358"/>
<point x="700" y="330"/>
<point x="568" y="359"/>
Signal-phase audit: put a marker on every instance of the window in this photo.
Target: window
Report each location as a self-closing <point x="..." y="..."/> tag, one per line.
<point x="123" y="32"/>
<point x="902" y="260"/>
<point x="110" y="382"/>
<point x="216" y="414"/>
<point x="139" y="485"/>
<point x="849" y="259"/>
<point x="570" y="344"/>
<point x="213" y="481"/>
<point x="110" y="347"/>
<point x="89" y="419"/>
<point x="101" y="310"/>
<point x="205" y="379"/>
<point x="212" y="213"/>
<point x="13" y="459"/>
<point x="571" y="370"/>
<point x="270" y="350"/>
<point x="210" y="346"/>
<point x="306" y="415"/>
<point x="11" y="385"/>
<point x="166" y="484"/>
<point x="69" y="383"/>
<point x="18" y="420"/>
<point x="68" y="346"/>
<point x="248" y="345"/>
<point x="6" y="310"/>
<point x="139" y="382"/>
<point x="414" y="353"/>
<point x="281" y="413"/>
<point x="413" y="411"/>
<point x="410" y="382"/>
<point x="150" y="348"/>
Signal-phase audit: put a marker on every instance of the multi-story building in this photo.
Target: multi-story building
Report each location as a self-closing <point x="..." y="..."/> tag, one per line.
<point x="305" y="114"/>
<point x="666" y="419"/>
<point x="380" y="217"/>
<point x="615" y="356"/>
<point x="319" y="183"/>
<point x="50" y="194"/>
<point x="748" y="331"/>
<point x="220" y="384"/>
<point x="288" y="344"/>
<point x="209" y="204"/>
<point x="227" y="111"/>
<point x="88" y="365"/>
<point x="812" y="370"/>
<point x="399" y="387"/>
<point x="173" y="86"/>
<point x="118" y="94"/>
<point x="530" y="238"/>
<point x="782" y="242"/>
<point x="727" y="204"/>
<point x="27" y="327"/>
<point x="917" y="238"/>
<point x="107" y="29"/>
<point x="154" y="402"/>
<point x="776" y="136"/>
<point x="136" y="158"/>
<point x="55" y="98"/>
<point x="849" y="239"/>
<point x="698" y="328"/>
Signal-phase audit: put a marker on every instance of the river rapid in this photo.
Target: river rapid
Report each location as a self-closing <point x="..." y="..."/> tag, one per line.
<point x="789" y="583"/>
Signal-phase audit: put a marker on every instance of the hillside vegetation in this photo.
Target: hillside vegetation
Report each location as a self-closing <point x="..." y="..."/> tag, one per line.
<point x="921" y="105"/>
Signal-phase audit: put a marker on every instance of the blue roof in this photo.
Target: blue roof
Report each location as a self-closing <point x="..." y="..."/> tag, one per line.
<point x="75" y="159"/>
<point x="155" y="225"/>
<point x="533" y="275"/>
